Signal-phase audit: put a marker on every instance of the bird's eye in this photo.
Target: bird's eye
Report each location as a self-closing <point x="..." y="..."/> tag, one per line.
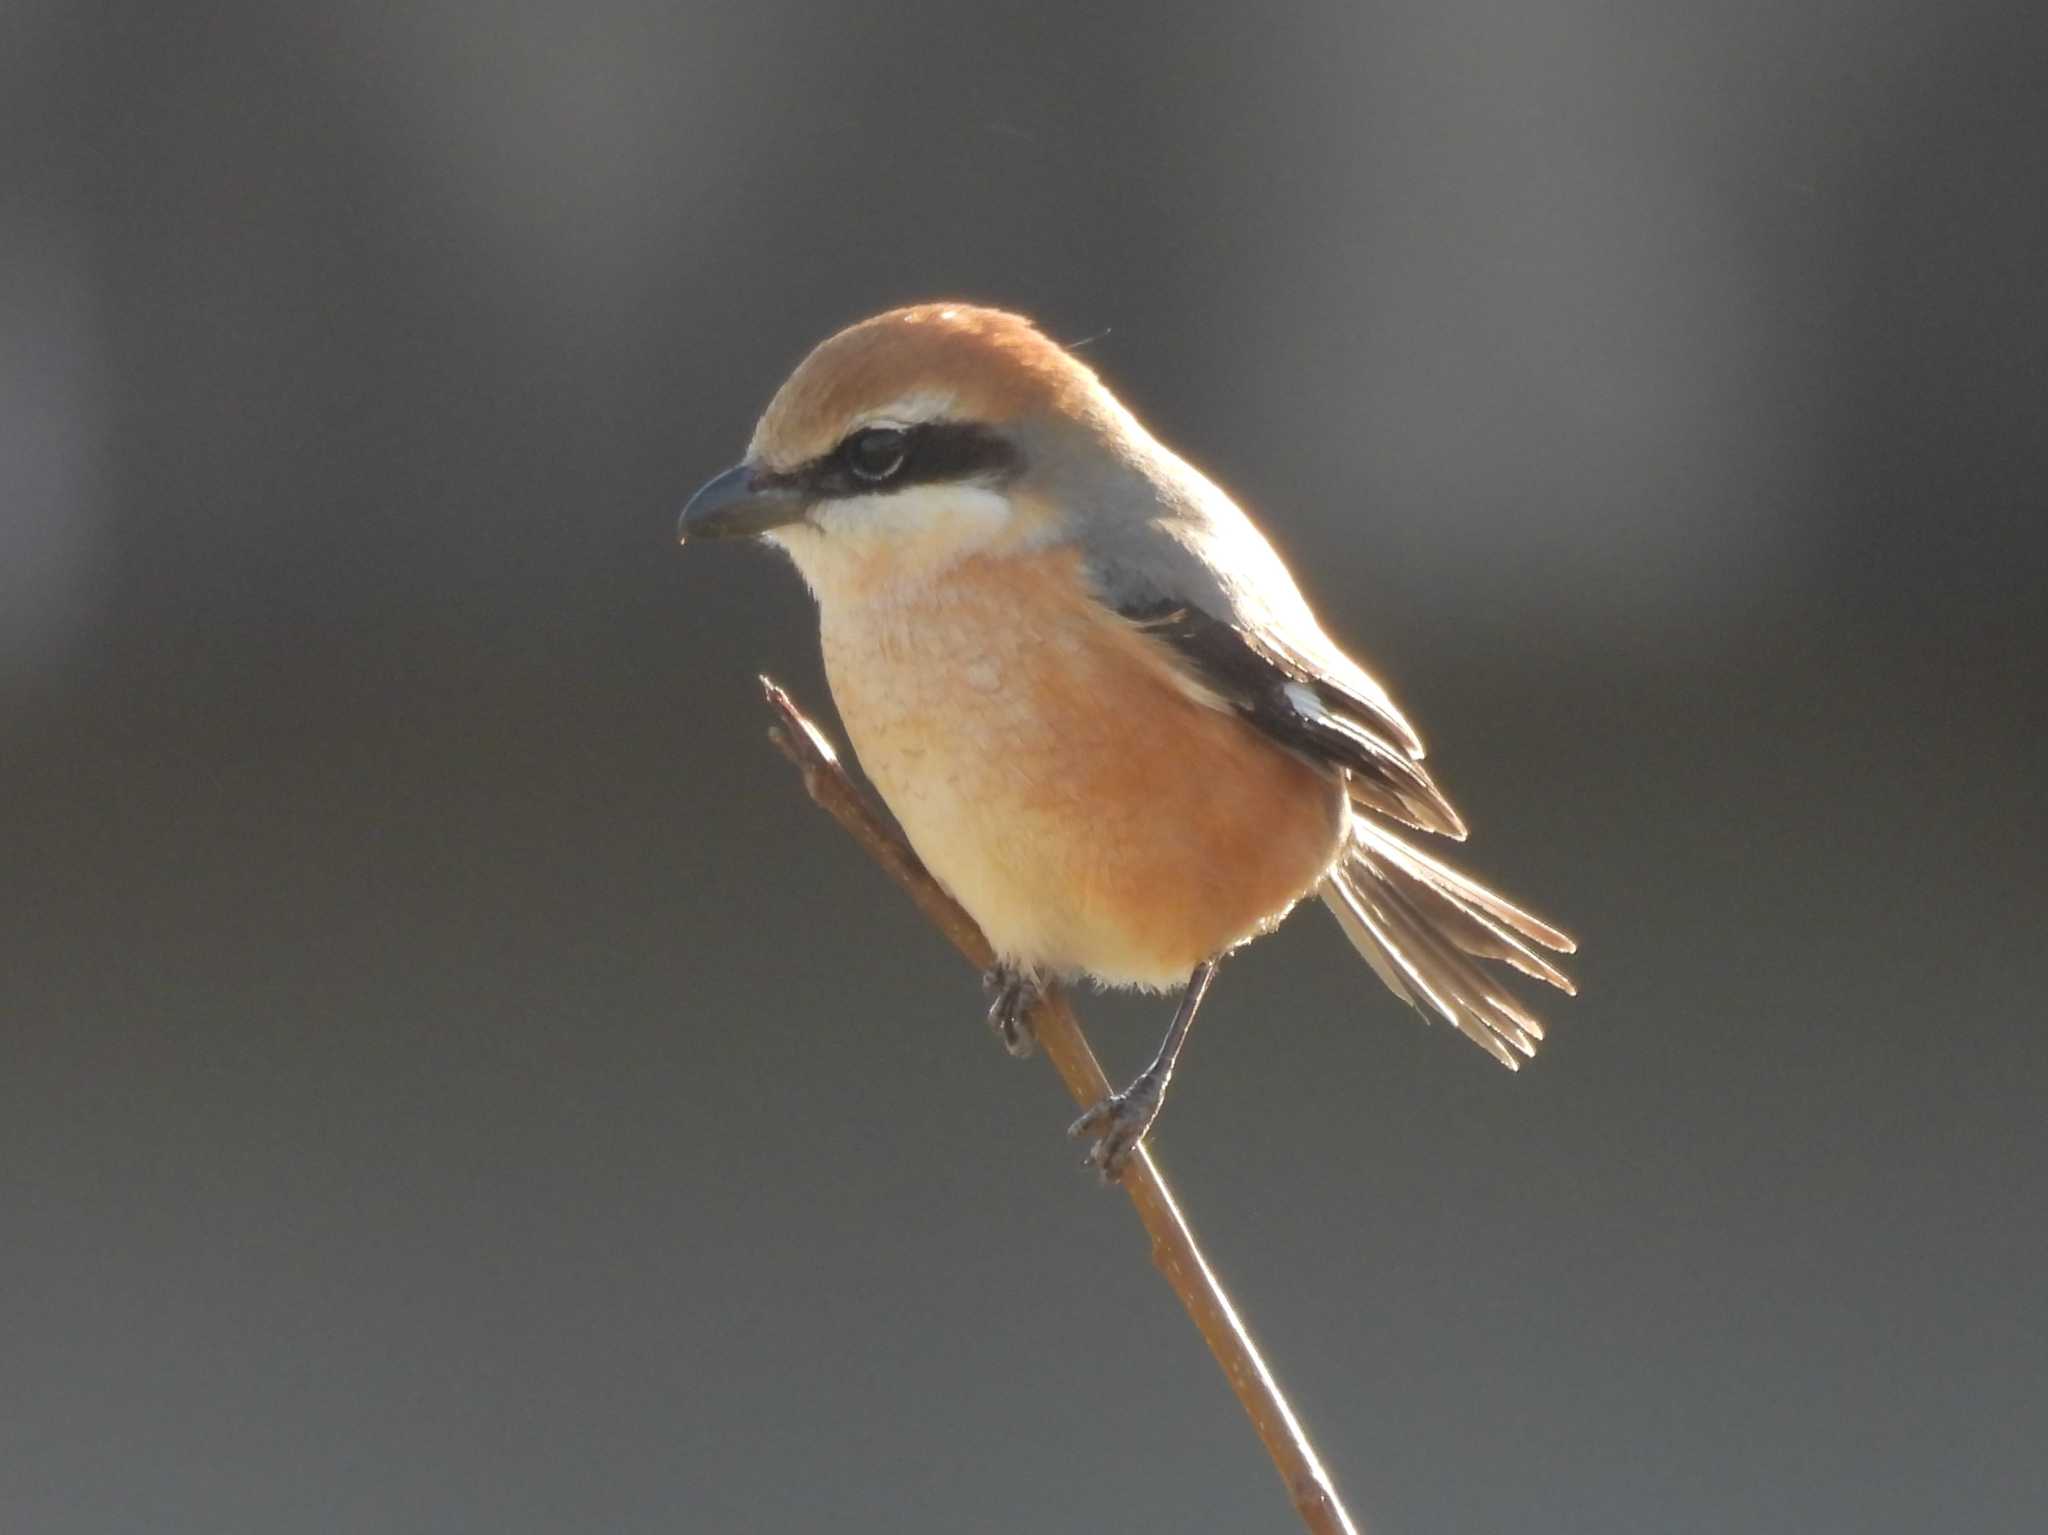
<point x="876" y="454"/>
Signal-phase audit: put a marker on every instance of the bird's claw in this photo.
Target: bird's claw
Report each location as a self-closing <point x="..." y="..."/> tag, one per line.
<point x="1013" y="995"/>
<point x="1118" y="1125"/>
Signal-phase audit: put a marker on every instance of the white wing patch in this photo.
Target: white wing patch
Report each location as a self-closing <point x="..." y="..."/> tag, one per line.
<point x="1302" y="699"/>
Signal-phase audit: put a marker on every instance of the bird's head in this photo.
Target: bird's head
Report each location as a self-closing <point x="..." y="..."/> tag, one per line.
<point x="915" y="439"/>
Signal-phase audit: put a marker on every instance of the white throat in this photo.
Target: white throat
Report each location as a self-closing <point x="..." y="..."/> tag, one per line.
<point x="868" y="547"/>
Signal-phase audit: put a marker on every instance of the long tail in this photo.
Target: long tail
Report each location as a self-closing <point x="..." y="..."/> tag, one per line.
<point x="1421" y="925"/>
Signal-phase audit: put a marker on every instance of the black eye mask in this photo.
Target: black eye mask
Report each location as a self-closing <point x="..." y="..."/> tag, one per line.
<point x="880" y="459"/>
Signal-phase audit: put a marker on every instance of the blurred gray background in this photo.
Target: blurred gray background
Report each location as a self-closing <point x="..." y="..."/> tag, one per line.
<point x="451" y="1082"/>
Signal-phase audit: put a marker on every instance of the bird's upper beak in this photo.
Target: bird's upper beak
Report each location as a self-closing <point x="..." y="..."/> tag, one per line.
<point x="740" y="503"/>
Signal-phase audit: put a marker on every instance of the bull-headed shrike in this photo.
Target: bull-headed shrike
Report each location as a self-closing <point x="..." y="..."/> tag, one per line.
<point x="1092" y="694"/>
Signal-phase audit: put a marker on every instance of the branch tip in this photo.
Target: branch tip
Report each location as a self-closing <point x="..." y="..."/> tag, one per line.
<point x="1174" y="1250"/>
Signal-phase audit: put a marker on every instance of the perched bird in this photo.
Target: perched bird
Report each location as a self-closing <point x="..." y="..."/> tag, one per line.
<point x="1092" y="694"/>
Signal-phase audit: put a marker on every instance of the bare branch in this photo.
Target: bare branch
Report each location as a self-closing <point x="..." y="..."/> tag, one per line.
<point x="1059" y="1034"/>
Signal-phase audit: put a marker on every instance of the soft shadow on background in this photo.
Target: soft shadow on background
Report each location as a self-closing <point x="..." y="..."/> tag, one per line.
<point x="450" y="1081"/>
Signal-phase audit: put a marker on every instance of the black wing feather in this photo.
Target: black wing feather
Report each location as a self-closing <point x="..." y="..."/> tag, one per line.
<point x="1339" y="729"/>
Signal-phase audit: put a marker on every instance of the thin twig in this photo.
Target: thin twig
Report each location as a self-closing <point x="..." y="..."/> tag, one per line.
<point x="1059" y="1033"/>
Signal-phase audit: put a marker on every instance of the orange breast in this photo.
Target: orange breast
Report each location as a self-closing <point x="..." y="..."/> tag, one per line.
<point x="1055" y="775"/>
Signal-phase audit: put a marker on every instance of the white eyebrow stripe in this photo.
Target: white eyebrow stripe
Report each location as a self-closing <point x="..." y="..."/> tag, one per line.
<point x="911" y="410"/>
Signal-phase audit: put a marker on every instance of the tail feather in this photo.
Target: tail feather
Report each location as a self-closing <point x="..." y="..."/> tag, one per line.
<point x="1383" y="940"/>
<point x="1421" y="925"/>
<point x="1474" y="931"/>
<point x="1461" y="888"/>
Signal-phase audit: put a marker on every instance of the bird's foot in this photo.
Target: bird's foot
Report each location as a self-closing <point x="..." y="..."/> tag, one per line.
<point x="1119" y="1123"/>
<point x="1012" y="996"/>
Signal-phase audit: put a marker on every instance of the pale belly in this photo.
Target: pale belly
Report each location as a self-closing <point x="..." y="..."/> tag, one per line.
<point x="1090" y="814"/>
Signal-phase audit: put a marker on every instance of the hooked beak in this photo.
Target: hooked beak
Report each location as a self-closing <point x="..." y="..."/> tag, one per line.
<point x="740" y="503"/>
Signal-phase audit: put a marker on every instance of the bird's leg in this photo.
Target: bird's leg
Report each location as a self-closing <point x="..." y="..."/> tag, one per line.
<point x="1120" y="1121"/>
<point x="1013" y="993"/>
